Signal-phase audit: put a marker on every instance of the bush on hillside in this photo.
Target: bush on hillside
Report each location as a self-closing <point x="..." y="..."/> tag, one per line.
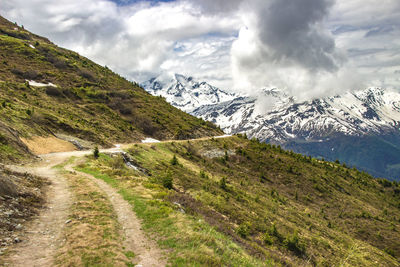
<point x="294" y="244"/>
<point x="167" y="181"/>
<point x="53" y="91"/>
<point x="96" y="152"/>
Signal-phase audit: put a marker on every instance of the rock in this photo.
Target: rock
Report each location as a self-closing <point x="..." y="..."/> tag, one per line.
<point x="18" y="226"/>
<point x="17" y="240"/>
<point x="180" y="208"/>
<point x="68" y="221"/>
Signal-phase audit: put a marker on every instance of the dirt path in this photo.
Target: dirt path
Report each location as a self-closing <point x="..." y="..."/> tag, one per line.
<point x="146" y="251"/>
<point x="44" y="234"/>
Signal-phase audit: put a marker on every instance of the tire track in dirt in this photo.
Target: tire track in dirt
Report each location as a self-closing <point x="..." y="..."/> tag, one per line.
<point x="146" y="251"/>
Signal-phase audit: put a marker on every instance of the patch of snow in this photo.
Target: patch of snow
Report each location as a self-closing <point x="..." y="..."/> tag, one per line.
<point x="131" y="166"/>
<point x="36" y="84"/>
<point x="222" y="136"/>
<point x="150" y="140"/>
<point x="31" y="46"/>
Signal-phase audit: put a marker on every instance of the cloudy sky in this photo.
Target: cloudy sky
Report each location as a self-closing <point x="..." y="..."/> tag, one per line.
<point x="310" y="48"/>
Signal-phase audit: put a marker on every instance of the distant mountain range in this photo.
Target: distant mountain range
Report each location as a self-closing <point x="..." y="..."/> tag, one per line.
<point x="360" y="128"/>
<point x="186" y="93"/>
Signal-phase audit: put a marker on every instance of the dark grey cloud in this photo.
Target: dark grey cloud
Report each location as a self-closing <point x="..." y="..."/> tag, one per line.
<point x="290" y="29"/>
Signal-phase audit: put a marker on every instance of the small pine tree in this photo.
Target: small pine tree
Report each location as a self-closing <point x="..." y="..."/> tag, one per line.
<point x="222" y="183"/>
<point x="174" y="160"/>
<point x="96" y="152"/>
<point x="167" y="181"/>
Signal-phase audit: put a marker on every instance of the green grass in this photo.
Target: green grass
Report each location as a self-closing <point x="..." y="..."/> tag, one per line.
<point x="191" y="240"/>
<point x="273" y="204"/>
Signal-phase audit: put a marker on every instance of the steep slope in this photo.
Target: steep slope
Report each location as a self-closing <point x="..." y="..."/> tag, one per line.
<point x="45" y="90"/>
<point x="281" y="208"/>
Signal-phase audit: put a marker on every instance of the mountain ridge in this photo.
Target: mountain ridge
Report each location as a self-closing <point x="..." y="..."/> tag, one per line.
<point x="370" y="112"/>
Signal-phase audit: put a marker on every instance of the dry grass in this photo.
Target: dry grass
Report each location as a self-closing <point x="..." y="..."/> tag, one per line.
<point x="93" y="235"/>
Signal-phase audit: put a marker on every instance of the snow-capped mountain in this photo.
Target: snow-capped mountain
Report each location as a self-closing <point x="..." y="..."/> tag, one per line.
<point x="186" y="93"/>
<point x="373" y="111"/>
<point x="276" y="117"/>
<point x="360" y="128"/>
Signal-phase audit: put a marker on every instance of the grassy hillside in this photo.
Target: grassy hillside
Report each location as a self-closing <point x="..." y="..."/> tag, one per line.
<point x="82" y="98"/>
<point x="265" y="206"/>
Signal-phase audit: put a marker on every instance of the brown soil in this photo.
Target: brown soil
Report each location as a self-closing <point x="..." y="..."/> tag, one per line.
<point x="43" y="234"/>
<point x="44" y="145"/>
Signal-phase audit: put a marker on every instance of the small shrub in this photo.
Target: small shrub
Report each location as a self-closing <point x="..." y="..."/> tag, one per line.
<point x="96" y="152"/>
<point x="31" y="74"/>
<point x="294" y="244"/>
<point x="87" y="75"/>
<point x="53" y="91"/>
<point x="243" y="230"/>
<point x="60" y="64"/>
<point x="17" y="72"/>
<point x="125" y="110"/>
<point x="203" y="174"/>
<point x="268" y="240"/>
<point x="3" y="139"/>
<point x="174" y="160"/>
<point x="167" y="181"/>
<point x="274" y="232"/>
<point x="385" y="183"/>
<point x="390" y="252"/>
<point x="222" y="183"/>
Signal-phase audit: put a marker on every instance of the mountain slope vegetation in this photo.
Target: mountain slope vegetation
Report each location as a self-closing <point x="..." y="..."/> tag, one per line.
<point x="45" y="89"/>
<point x="281" y="208"/>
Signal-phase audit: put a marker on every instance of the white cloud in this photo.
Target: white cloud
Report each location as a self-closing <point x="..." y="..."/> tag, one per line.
<point x="308" y="47"/>
<point x="137" y="40"/>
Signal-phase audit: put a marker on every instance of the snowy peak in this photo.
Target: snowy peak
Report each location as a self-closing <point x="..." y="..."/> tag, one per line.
<point x="185" y="92"/>
<point x="277" y="117"/>
<point x="364" y="112"/>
